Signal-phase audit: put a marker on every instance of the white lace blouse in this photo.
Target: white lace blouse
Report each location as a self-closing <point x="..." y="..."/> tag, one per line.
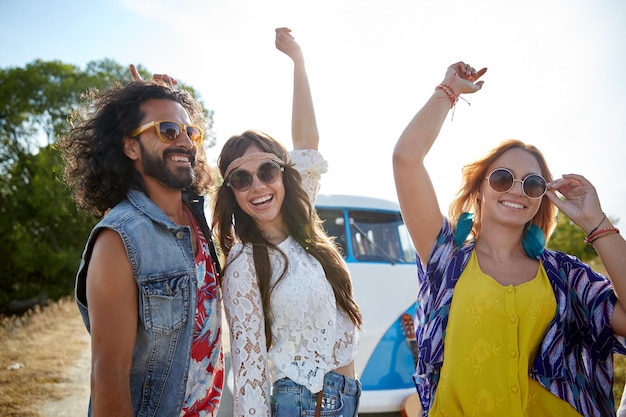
<point x="311" y="335"/>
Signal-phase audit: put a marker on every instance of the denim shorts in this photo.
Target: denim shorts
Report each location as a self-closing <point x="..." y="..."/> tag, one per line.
<point x="341" y="397"/>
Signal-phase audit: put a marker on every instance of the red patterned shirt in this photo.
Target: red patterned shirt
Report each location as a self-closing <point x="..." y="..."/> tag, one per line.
<point x="206" y="368"/>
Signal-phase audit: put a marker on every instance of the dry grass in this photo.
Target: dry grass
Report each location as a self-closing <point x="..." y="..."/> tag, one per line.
<point x="36" y="351"/>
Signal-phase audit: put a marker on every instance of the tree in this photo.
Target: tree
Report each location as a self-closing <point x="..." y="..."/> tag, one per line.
<point x="42" y="232"/>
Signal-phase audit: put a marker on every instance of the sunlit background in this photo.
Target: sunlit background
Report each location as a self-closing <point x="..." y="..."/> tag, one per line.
<point x="555" y="78"/>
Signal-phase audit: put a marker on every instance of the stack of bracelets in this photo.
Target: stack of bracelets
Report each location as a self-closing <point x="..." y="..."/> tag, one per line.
<point x="454" y="97"/>
<point x="597" y="233"/>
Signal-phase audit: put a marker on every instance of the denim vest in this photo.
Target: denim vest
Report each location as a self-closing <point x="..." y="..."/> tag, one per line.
<point x="161" y="256"/>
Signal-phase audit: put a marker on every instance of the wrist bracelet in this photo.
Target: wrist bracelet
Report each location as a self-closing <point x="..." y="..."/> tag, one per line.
<point x="596" y="228"/>
<point x="596" y="234"/>
<point x="454" y="97"/>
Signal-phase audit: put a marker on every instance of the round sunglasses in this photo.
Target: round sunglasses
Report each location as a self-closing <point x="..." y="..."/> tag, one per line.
<point x="169" y="132"/>
<point x="502" y="180"/>
<point x="241" y="180"/>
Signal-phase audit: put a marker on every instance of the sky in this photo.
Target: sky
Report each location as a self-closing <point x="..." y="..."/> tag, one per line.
<point x="555" y="74"/>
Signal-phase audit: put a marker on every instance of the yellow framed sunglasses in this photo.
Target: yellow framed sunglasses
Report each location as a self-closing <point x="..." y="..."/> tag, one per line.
<point x="169" y="131"/>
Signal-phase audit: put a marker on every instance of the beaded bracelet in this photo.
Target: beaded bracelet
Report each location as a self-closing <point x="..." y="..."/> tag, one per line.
<point x="454" y="97"/>
<point x="597" y="234"/>
<point x="598" y="226"/>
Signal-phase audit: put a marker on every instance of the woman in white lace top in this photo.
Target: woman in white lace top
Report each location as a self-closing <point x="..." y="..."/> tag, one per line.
<point x="287" y="291"/>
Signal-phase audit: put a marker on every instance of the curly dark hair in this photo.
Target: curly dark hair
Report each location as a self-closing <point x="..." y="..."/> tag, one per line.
<point x="303" y="223"/>
<point x="96" y="168"/>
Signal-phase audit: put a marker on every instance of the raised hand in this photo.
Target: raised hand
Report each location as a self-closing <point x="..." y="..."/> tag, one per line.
<point x="463" y="78"/>
<point x="287" y="44"/>
<point x="159" y="79"/>
<point x="580" y="200"/>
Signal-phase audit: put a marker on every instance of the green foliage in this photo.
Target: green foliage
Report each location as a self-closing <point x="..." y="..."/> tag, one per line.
<point x="569" y="238"/>
<point x="42" y="232"/>
<point x="35" y="103"/>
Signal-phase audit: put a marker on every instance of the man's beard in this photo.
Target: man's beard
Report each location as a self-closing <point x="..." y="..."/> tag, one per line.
<point x="155" y="167"/>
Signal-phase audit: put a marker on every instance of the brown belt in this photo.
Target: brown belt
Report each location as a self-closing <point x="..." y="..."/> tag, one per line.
<point x="318" y="406"/>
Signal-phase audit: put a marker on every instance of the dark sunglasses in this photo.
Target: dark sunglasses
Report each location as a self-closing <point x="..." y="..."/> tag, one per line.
<point x="169" y="132"/>
<point x="501" y="180"/>
<point x="267" y="172"/>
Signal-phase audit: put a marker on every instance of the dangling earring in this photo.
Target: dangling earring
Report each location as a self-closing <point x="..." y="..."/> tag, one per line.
<point x="463" y="228"/>
<point x="534" y="241"/>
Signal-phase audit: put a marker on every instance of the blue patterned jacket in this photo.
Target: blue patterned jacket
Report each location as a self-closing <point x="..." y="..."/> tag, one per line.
<point x="575" y="359"/>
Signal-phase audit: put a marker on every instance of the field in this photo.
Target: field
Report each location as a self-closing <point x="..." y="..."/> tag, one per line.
<point x="39" y="349"/>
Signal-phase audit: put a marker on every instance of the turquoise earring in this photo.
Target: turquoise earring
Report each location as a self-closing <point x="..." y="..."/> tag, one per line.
<point x="534" y="241"/>
<point x="463" y="228"/>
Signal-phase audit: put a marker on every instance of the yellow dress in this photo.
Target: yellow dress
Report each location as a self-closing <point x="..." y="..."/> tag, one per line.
<point x="492" y="337"/>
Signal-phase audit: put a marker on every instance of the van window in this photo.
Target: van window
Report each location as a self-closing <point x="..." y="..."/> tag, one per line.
<point x="374" y="236"/>
<point x="334" y="224"/>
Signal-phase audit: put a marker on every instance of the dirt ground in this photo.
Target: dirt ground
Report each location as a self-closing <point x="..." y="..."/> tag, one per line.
<point x="44" y="359"/>
<point x="75" y="388"/>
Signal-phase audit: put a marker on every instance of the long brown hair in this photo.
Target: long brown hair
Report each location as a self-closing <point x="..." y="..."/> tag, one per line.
<point x="303" y="223"/>
<point x="467" y="198"/>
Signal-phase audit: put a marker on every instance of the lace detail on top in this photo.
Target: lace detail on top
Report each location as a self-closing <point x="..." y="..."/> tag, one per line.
<point x="311" y="336"/>
<point x="311" y="165"/>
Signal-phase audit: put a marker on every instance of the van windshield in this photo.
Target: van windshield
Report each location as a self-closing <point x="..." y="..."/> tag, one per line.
<point x="374" y="236"/>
